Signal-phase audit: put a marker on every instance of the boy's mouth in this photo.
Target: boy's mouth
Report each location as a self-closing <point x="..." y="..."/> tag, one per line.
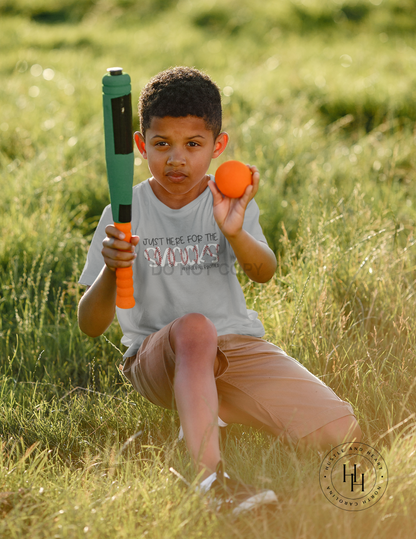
<point x="176" y="176"/>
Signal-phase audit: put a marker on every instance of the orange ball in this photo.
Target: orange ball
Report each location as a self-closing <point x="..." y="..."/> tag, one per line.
<point x="233" y="178"/>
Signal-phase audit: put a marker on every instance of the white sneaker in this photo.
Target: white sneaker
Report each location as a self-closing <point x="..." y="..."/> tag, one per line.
<point x="233" y="495"/>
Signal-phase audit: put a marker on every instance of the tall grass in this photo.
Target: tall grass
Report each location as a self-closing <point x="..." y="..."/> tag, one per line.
<point x="320" y="96"/>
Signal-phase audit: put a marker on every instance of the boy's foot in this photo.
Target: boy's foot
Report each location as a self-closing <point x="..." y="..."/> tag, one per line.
<point x="233" y="495"/>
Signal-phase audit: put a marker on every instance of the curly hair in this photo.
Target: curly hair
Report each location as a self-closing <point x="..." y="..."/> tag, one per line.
<point x="180" y="92"/>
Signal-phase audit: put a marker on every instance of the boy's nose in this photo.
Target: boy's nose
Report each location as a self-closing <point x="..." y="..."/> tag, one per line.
<point x="176" y="159"/>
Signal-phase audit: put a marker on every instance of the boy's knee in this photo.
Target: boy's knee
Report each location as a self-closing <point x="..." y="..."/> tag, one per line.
<point x="194" y="330"/>
<point x="349" y="428"/>
<point x="344" y="429"/>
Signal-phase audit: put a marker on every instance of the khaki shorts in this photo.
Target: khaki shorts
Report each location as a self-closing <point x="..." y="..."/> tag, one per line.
<point x="267" y="387"/>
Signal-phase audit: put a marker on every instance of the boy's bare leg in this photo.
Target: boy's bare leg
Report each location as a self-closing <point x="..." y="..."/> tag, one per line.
<point x="194" y="340"/>
<point x="344" y="429"/>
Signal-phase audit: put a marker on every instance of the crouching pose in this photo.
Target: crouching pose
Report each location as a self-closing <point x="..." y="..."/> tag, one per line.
<point x="192" y="343"/>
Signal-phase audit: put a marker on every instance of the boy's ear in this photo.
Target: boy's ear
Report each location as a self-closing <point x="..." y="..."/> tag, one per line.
<point x="140" y="143"/>
<point x="220" y="144"/>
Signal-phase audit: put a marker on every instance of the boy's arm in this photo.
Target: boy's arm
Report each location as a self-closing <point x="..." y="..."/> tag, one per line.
<point x="97" y="306"/>
<point x="255" y="257"/>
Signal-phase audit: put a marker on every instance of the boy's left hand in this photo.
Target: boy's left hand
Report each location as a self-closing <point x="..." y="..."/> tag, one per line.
<point x="229" y="212"/>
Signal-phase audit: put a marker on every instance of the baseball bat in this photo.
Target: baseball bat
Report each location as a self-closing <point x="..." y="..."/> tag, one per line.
<point x="118" y="133"/>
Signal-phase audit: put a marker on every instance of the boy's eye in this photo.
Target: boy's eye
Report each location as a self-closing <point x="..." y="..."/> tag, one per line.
<point x="193" y="144"/>
<point x="161" y="143"/>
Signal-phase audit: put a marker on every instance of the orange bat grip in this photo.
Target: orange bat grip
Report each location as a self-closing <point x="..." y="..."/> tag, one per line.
<point x="124" y="276"/>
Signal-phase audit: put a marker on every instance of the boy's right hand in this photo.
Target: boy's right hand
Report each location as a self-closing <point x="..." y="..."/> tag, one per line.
<point x="117" y="252"/>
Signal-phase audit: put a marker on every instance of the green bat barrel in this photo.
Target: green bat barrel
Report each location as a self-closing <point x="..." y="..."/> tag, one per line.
<point x="118" y="132"/>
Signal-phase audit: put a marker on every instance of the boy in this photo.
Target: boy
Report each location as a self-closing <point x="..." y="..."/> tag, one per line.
<point x="193" y="345"/>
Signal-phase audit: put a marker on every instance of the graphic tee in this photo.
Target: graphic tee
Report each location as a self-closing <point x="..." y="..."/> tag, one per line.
<point x="184" y="265"/>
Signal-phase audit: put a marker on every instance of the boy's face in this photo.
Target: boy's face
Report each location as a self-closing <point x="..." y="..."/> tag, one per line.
<point x="179" y="152"/>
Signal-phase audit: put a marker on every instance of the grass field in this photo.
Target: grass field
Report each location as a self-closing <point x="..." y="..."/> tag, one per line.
<point x="321" y="96"/>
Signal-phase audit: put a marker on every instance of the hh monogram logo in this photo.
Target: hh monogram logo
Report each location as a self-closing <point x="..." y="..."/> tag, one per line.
<point x="342" y="482"/>
<point x="354" y="478"/>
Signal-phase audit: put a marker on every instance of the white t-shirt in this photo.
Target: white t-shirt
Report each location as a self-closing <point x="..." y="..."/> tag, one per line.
<point x="184" y="265"/>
